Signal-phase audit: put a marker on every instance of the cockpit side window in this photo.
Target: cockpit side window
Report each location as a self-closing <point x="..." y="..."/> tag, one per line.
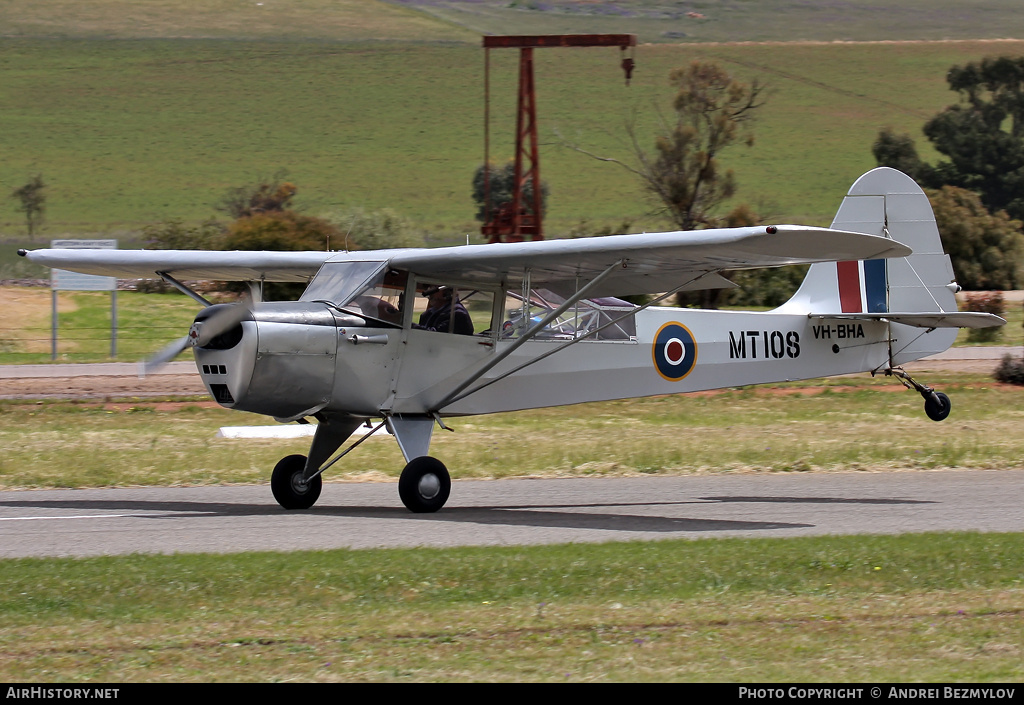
<point x="590" y="319"/>
<point x="451" y="308"/>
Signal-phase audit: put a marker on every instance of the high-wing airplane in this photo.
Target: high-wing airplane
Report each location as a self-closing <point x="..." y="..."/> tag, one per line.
<point x="538" y="324"/>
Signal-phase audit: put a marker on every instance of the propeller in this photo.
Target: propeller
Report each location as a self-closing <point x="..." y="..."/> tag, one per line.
<point x="165" y="355"/>
<point x="210" y="323"/>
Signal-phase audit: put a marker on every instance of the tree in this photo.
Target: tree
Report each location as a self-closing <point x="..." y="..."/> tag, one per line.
<point x="982" y="136"/>
<point x="502" y="184"/>
<point x="32" y="202"/>
<point x="986" y="250"/>
<point x="712" y="112"/>
<point x="900" y="152"/>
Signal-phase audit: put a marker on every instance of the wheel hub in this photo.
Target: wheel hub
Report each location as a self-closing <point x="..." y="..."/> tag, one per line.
<point x="299" y="485"/>
<point x="429" y="485"/>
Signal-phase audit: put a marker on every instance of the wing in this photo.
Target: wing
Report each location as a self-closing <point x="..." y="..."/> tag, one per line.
<point x="652" y="262"/>
<point x="185" y="264"/>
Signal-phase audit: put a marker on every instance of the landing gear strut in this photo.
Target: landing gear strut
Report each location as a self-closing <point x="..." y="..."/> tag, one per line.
<point x="936" y="404"/>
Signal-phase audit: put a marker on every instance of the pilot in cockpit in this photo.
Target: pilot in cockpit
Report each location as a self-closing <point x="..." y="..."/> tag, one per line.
<point x="445" y="312"/>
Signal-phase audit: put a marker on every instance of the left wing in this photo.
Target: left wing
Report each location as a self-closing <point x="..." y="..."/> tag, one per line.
<point x="651" y="262"/>
<point x="185" y="264"/>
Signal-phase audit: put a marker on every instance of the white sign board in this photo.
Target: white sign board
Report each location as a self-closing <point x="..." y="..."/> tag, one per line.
<point x="63" y="280"/>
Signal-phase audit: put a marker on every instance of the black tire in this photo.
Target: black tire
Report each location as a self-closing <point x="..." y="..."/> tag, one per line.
<point x="937" y="410"/>
<point x="424" y="485"/>
<point x="287" y="485"/>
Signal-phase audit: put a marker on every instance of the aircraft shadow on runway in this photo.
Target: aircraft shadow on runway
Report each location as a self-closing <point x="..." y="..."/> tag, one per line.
<point x="563" y="516"/>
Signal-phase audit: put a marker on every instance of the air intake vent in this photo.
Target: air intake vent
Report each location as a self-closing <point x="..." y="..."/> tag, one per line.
<point x="221" y="394"/>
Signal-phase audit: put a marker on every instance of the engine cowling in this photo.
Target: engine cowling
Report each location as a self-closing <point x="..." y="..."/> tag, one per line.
<point x="280" y="360"/>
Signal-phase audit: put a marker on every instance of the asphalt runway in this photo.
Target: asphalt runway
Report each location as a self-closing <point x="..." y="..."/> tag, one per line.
<point x="509" y="512"/>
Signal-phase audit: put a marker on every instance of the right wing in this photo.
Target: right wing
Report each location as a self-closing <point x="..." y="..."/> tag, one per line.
<point x="650" y="262"/>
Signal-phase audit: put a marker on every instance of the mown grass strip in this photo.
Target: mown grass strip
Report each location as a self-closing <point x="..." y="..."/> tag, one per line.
<point x="906" y="608"/>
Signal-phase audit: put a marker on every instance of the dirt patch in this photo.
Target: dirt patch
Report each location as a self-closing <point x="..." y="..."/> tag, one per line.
<point x="106" y="387"/>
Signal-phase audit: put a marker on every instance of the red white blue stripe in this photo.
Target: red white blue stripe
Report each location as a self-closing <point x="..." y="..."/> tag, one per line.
<point x="863" y="286"/>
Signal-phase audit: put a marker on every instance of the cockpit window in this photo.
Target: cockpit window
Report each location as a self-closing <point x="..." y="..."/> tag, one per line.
<point x="339" y="282"/>
<point x="592" y="319"/>
<point x="367" y="289"/>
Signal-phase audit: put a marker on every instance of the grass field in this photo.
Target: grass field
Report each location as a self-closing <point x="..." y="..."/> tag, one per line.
<point x="161" y="121"/>
<point x="789" y="428"/>
<point x="910" y="609"/>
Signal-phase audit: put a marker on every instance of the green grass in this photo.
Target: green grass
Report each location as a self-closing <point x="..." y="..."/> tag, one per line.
<point x="145" y="323"/>
<point x="916" y="608"/>
<point x="762" y="430"/>
<point x="128" y="133"/>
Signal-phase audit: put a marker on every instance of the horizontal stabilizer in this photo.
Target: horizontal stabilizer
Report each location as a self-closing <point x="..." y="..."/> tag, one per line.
<point x="956" y="319"/>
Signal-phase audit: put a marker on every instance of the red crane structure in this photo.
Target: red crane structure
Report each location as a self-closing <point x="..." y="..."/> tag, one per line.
<point x="515" y="221"/>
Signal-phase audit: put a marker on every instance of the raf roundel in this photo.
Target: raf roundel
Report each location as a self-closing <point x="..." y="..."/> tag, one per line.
<point x="674" y="351"/>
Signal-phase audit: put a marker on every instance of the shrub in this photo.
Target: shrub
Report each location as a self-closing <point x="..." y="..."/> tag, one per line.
<point x="985" y="248"/>
<point x="1010" y="370"/>
<point x="373" y="230"/>
<point x="985" y="302"/>
<point x="173" y="234"/>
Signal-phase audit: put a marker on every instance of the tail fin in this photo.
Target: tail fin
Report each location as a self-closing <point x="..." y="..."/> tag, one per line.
<point x="918" y="290"/>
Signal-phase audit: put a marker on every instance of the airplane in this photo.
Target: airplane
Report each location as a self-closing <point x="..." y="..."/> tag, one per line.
<point x="547" y="325"/>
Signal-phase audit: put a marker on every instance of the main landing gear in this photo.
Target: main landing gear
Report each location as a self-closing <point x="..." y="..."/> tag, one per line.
<point x="424" y="485"/>
<point x="936" y="404"/>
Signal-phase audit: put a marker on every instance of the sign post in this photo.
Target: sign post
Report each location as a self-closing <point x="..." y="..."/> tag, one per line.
<point x="63" y="280"/>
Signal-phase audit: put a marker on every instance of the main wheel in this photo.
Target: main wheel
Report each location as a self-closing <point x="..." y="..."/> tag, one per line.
<point x="290" y="490"/>
<point x="937" y="410"/>
<point x="424" y="485"/>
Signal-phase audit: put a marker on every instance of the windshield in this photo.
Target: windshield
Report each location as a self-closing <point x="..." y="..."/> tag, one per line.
<point x="339" y="282"/>
<point x="368" y="289"/>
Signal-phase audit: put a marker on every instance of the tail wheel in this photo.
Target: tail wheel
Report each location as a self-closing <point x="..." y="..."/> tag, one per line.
<point x="290" y="489"/>
<point x="937" y="406"/>
<point x="424" y="485"/>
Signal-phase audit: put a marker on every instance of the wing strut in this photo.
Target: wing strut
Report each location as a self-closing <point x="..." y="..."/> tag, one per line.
<point x="588" y="334"/>
<point x="531" y="333"/>
<point x="184" y="289"/>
